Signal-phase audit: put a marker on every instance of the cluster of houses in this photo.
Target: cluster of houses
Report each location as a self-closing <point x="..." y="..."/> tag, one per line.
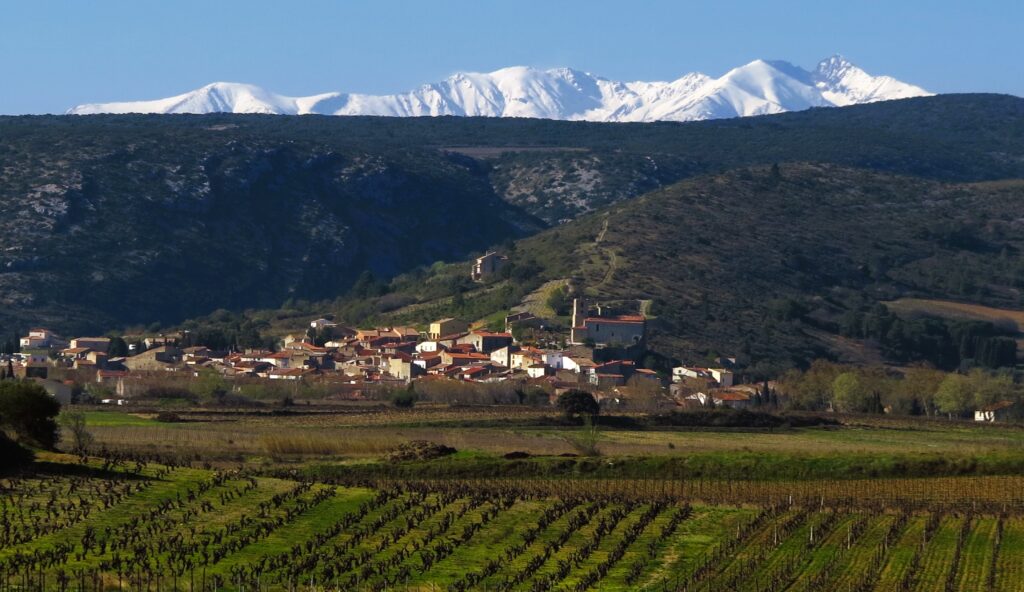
<point x="449" y="349"/>
<point x="697" y="386"/>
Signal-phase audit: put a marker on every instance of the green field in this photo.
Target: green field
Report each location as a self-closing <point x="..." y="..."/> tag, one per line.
<point x="859" y="448"/>
<point x="135" y="525"/>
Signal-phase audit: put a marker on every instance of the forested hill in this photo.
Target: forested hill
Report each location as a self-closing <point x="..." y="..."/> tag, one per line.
<point x="782" y="264"/>
<point x="105" y="233"/>
<point x="557" y="170"/>
<point x="111" y="220"/>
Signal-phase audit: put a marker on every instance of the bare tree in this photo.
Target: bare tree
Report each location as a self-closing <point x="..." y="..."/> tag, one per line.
<point x="74" y="422"/>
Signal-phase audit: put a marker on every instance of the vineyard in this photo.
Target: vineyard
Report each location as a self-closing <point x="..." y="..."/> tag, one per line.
<point x="123" y="524"/>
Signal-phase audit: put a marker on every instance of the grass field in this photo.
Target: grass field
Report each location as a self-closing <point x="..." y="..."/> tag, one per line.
<point x="859" y="448"/>
<point x="136" y="526"/>
<point x="1005" y="317"/>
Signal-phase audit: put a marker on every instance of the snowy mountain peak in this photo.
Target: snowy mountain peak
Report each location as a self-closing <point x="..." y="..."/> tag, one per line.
<point x="833" y="66"/>
<point x="757" y="88"/>
<point x="843" y="83"/>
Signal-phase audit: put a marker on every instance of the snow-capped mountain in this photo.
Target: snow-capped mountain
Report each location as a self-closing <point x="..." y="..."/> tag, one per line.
<point x="758" y="88"/>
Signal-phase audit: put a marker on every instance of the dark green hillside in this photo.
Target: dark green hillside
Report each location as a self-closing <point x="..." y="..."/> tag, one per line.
<point x="585" y="166"/>
<point x="778" y="266"/>
<point x="99" y="235"/>
<point x="751" y="262"/>
<point x="114" y="220"/>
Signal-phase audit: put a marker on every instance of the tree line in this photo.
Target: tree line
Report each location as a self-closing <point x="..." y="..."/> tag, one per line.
<point x="916" y="390"/>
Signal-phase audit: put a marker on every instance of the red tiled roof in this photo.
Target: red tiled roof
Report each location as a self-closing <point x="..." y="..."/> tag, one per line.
<point x="731" y="396"/>
<point x="468" y="356"/>
<point x="631" y="319"/>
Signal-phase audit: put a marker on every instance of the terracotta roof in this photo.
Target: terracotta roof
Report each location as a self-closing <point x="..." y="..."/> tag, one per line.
<point x="632" y="319"/>
<point x="468" y="356"/>
<point x="997" y="406"/>
<point x="731" y="396"/>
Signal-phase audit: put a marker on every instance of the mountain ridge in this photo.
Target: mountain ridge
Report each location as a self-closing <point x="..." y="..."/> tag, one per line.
<point x="757" y="88"/>
<point x="116" y="220"/>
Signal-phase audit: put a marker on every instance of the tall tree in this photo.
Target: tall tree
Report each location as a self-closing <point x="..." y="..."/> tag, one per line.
<point x="118" y="348"/>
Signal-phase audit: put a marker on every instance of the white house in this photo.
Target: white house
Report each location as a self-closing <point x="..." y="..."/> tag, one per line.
<point x="999" y="411"/>
<point x="41" y="339"/>
<point x="554" y="359"/>
<point x="503" y="356"/>
<point x="722" y="376"/>
<point x="322" y="323"/>
<point x="428" y="346"/>
<point x="681" y="372"/>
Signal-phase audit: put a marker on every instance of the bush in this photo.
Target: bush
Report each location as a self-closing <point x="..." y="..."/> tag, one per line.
<point x="419" y="450"/>
<point x="404" y="399"/>
<point x="168" y="417"/>
<point x="577" y="402"/>
<point x="29" y="411"/>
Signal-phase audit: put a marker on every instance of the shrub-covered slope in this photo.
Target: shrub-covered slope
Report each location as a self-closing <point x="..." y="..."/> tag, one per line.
<point x="95" y="234"/>
<point x="112" y="220"/>
<point x="774" y="263"/>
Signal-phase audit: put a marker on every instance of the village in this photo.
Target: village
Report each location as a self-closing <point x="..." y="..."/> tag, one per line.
<point x="357" y="359"/>
<point x="450" y="360"/>
<point x="600" y="354"/>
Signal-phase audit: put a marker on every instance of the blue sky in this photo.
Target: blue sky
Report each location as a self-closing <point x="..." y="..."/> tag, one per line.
<point x="56" y="54"/>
